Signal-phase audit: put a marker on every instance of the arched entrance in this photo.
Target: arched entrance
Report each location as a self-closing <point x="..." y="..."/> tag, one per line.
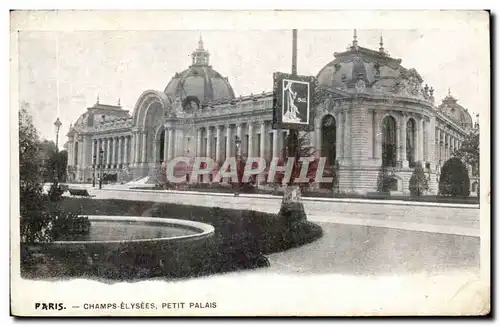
<point x="329" y="139"/>
<point x="389" y="142"/>
<point x="410" y="142"/>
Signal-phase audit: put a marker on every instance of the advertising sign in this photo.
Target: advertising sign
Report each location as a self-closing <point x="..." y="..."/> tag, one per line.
<point x="293" y="98"/>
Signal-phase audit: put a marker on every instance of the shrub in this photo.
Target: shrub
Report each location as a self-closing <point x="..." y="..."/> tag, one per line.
<point x="383" y="180"/>
<point x="418" y="181"/>
<point x="52" y="224"/>
<point x="55" y="192"/>
<point x="454" y="180"/>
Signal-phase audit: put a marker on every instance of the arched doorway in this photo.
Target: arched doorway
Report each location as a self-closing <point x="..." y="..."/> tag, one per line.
<point x="410" y="142"/>
<point x="329" y="139"/>
<point x="389" y="141"/>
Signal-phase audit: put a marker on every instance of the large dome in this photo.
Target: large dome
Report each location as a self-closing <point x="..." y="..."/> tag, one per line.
<point x="371" y="71"/>
<point x="200" y="80"/>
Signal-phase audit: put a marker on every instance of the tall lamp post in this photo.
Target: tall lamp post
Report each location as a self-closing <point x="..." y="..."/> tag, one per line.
<point x="57" y="125"/>
<point x="238" y="158"/>
<point x="101" y="166"/>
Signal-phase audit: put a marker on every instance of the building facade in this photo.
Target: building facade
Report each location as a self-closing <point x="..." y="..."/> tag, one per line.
<point x="370" y="111"/>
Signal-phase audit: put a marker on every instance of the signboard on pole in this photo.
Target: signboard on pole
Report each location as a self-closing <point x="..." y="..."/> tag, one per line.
<point x="292" y="102"/>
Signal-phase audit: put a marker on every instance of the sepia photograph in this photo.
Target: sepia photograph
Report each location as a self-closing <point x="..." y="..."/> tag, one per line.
<point x="250" y="163"/>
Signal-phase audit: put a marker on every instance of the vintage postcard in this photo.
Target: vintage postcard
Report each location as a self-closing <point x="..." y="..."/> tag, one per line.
<point x="250" y="163"/>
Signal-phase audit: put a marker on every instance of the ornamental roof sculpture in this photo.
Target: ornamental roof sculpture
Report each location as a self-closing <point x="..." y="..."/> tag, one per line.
<point x="363" y="70"/>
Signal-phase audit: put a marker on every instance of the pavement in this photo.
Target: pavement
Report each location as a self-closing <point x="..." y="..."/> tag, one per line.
<point x="360" y="237"/>
<point x="458" y="219"/>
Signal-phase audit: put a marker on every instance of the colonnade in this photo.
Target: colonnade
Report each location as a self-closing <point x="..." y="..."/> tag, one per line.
<point x="113" y="151"/>
<point x="446" y="144"/>
<point x="258" y="139"/>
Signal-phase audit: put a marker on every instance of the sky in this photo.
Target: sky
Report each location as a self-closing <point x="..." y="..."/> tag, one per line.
<point x="61" y="73"/>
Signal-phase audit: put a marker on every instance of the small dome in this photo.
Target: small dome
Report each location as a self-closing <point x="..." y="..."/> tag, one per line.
<point x="372" y="71"/>
<point x="455" y="111"/>
<point x="200" y="80"/>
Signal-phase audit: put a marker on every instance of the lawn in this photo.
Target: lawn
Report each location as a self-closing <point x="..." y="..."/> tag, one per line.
<point x="241" y="239"/>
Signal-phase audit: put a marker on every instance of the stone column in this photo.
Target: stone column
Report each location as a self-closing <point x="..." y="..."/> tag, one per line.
<point x="84" y="152"/>
<point x="198" y="142"/>
<point x="125" y="151"/>
<point x="446" y="146"/>
<point x="120" y="143"/>
<point x="137" y="143"/>
<point x="93" y="151"/>
<point x="317" y="138"/>
<point x="113" y="159"/>
<point x="209" y="142"/>
<point x="262" y="138"/>
<point x="440" y="146"/>
<point x="170" y="152"/>
<point x="228" y="141"/>
<point x="275" y="143"/>
<point x="421" y="141"/>
<point x="250" y="139"/>
<point x="402" y="140"/>
<point x="378" y="134"/>
<point x="108" y="151"/>
<point x="217" y="144"/>
<point x="431" y="142"/>
<point x="347" y="138"/>
<point x="239" y="131"/>
<point x="144" y="146"/>
<point x="166" y="139"/>
<point x="70" y="152"/>
<point x="340" y="137"/>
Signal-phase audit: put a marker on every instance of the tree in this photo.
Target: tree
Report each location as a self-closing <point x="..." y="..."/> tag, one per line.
<point x="30" y="181"/>
<point x="418" y="181"/>
<point x="454" y="180"/>
<point x="469" y="152"/>
<point x="41" y="219"/>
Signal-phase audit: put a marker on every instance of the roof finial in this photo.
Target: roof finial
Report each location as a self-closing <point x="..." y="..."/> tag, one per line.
<point x="381" y="44"/>
<point x="200" y="43"/>
<point x="119" y="102"/>
<point x="355" y="39"/>
<point x="97" y="99"/>
<point x="449" y="91"/>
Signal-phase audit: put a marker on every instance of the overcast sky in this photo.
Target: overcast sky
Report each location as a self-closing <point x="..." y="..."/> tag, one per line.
<point x="123" y="64"/>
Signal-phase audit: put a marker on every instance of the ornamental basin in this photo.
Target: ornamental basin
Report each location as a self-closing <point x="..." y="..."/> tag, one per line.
<point x="121" y="247"/>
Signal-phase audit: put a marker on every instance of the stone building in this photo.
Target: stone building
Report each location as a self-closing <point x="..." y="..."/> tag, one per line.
<point x="371" y="111"/>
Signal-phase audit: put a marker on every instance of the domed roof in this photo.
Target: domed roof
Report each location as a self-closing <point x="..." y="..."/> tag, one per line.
<point x="455" y="111"/>
<point x="360" y="69"/>
<point x="200" y="80"/>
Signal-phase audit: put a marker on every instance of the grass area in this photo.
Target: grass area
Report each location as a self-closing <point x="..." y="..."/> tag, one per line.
<point x="241" y="239"/>
<point x="472" y="200"/>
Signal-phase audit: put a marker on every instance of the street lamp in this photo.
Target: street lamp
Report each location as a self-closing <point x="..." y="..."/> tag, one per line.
<point x="238" y="158"/>
<point x="101" y="166"/>
<point x="57" y="125"/>
<point x="93" y="169"/>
